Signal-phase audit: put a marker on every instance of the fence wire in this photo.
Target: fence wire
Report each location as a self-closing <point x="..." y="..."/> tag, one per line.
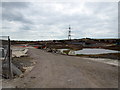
<point x="4" y="44"/>
<point x="5" y="57"/>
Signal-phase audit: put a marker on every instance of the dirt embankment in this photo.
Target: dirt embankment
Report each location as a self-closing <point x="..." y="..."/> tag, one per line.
<point x="22" y="59"/>
<point x="113" y="47"/>
<point x="115" y="56"/>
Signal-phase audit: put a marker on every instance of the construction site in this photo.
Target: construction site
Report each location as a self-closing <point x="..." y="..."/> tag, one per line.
<point x="58" y="44"/>
<point x="78" y="63"/>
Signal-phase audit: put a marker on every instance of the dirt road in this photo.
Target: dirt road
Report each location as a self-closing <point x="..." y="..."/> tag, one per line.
<point x="60" y="71"/>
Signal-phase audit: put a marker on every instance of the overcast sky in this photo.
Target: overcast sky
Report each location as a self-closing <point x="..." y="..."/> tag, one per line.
<point x="50" y="21"/>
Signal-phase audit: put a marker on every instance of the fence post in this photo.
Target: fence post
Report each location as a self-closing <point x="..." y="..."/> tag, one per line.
<point x="9" y="60"/>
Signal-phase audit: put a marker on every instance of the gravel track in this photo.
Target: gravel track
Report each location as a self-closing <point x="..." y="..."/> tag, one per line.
<point x="61" y="71"/>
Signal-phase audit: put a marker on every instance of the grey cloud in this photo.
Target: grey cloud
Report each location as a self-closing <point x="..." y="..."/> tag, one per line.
<point x="14" y="5"/>
<point x="11" y="12"/>
<point x="119" y="19"/>
<point x="53" y="18"/>
<point x="5" y="27"/>
<point x="14" y="16"/>
<point x="44" y="19"/>
<point x="102" y="7"/>
<point x="25" y="27"/>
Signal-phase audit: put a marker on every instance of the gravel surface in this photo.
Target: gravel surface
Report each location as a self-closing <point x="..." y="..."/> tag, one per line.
<point x="62" y="71"/>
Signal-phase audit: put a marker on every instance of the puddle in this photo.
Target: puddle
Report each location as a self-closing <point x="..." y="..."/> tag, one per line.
<point x="90" y="51"/>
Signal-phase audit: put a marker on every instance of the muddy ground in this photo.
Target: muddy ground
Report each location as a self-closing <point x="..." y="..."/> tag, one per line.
<point x="114" y="56"/>
<point x="62" y="71"/>
<point x="23" y="62"/>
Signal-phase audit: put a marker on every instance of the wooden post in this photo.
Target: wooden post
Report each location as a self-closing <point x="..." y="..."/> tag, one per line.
<point x="9" y="60"/>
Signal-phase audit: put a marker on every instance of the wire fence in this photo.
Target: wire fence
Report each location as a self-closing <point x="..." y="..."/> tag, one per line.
<point x="4" y="44"/>
<point x="5" y="57"/>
